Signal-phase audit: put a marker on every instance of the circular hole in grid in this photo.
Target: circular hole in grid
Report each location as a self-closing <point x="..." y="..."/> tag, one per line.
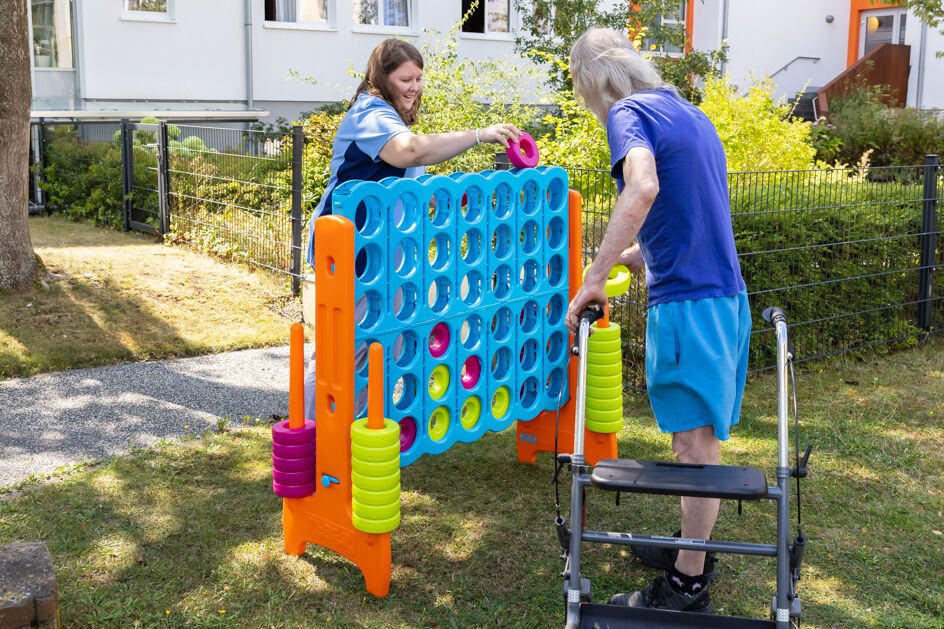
<point x="404" y="391"/>
<point x="528" y="198"/>
<point x="528" y="394"/>
<point x="438" y="296"/>
<point x="555" y="310"/>
<point x="528" y="356"/>
<point x="555" y="347"/>
<point x="360" y="403"/>
<point x="404" y="348"/>
<point x="555" y="271"/>
<point x="528" y="238"/>
<point x="360" y="356"/>
<point x="528" y="318"/>
<point x="471" y="332"/>
<point x="367" y="310"/>
<point x="368" y="216"/>
<point x="438" y="342"/>
<point x="501" y="282"/>
<point x="439" y="251"/>
<point x="557" y="194"/>
<point x="440" y="205"/>
<point x="501" y="324"/>
<point x="555" y="232"/>
<point x="501" y="241"/>
<point x="367" y="263"/>
<point x="405" y="257"/>
<point x="502" y="201"/>
<point x="470" y="289"/>
<point x="474" y="199"/>
<point x="471" y="246"/>
<point x="471" y="371"/>
<point x="405" y="301"/>
<point x="529" y="276"/>
<point x="501" y="363"/>
<point x="406" y="212"/>
<point x="554" y="382"/>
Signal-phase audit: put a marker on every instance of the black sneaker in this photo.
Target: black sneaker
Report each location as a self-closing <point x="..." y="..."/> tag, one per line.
<point x="661" y="595"/>
<point x="664" y="558"/>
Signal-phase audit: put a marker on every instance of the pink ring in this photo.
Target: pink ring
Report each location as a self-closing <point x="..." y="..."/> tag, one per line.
<point x="302" y="477"/>
<point x="407" y="433"/>
<point x="473" y="369"/>
<point x="439" y="340"/>
<point x="293" y="452"/>
<point x="293" y="491"/>
<point x="293" y="465"/>
<point x="531" y="155"/>
<point x="282" y="434"/>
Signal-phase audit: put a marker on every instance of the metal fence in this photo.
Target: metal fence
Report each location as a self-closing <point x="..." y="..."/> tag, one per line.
<point x="853" y="256"/>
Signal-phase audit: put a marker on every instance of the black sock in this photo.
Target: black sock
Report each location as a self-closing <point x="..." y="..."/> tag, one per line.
<point x="685" y="584"/>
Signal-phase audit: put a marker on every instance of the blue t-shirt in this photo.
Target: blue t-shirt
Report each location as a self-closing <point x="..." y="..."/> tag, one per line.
<point x="686" y="240"/>
<point x="366" y="128"/>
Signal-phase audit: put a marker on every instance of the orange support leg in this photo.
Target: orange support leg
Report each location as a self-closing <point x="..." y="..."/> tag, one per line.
<point x="324" y="518"/>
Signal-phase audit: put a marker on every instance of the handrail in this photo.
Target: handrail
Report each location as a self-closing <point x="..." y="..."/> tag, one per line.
<point x="792" y="61"/>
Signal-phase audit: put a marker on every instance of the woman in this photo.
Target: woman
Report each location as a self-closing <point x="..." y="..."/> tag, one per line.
<point x="669" y="166"/>
<point x="374" y="140"/>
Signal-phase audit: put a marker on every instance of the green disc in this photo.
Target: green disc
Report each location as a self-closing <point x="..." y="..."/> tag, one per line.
<point x="501" y="402"/>
<point x="375" y="469"/>
<point x="374" y="512"/>
<point x="368" y="453"/>
<point x="471" y="412"/>
<point x="363" y="435"/>
<point x="375" y="526"/>
<point x="438" y="423"/>
<point x="366" y="497"/>
<point x="375" y="483"/>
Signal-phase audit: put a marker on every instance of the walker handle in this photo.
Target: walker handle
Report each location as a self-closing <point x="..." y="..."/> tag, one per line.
<point x="590" y="314"/>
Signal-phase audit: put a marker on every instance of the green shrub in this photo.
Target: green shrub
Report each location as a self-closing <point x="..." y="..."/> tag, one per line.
<point x="860" y="123"/>
<point x="755" y="129"/>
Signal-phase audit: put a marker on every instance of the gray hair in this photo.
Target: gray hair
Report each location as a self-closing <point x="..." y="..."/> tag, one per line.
<point x="606" y="67"/>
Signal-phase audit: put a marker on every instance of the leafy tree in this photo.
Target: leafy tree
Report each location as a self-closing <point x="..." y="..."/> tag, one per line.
<point x="17" y="260"/>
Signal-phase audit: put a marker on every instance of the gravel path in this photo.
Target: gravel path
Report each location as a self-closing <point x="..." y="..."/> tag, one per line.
<point x="51" y="420"/>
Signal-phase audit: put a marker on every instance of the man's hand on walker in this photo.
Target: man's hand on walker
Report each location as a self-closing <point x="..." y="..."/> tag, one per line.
<point x="591" y="293"/>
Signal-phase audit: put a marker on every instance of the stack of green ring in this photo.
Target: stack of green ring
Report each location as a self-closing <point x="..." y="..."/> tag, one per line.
<point x="375" y="476"/>
<point x="605" y="380"/>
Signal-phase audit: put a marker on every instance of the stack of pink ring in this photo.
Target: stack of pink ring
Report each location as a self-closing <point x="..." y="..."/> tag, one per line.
<point x="293" y="460"/>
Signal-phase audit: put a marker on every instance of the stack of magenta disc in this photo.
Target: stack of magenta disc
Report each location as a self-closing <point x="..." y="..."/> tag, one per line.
<point x="293" y="460"/>
<point x="375" y="476"/>
<point x="605" y="380"/>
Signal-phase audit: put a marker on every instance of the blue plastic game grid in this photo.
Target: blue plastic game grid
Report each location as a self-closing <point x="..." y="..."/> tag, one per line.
<point x="487" y="255"/>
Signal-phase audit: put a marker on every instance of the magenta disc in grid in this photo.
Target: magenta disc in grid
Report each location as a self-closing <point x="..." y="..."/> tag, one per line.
<point x="407" y="433"/>
<point x="439" y="340"/>
<point x="471" y="370"/>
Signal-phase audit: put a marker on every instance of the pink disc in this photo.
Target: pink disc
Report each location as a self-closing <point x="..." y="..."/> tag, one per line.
<point x="523" y="153"/>
<point x="293" y="465"/>
<point x="293" y="491"/>
<point x="293" y="478"/>
<point x="284" y="435"/>
<point x="471" y="370"/>
<point x="439" y="340"/>
<point x="407" y="433"/>
<point x="293" y="452"/>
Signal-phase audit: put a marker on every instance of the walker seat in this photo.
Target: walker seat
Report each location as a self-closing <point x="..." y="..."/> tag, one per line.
<point x="679" y="479"/>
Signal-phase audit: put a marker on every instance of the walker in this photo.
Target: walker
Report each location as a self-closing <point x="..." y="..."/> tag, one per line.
<point x="677" y="479"/>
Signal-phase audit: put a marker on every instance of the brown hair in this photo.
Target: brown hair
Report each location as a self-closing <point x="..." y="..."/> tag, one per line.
<point x="389" y="55"/>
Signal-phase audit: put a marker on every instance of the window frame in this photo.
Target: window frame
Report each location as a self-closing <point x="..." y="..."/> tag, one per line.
<point x="681" y="23"/>
<point x="410" y="29"/>
<point x="487" y="35"/>
<point x="896" y="12"/>
<point x="329" y="24"/>
<point x="167" y="16"/>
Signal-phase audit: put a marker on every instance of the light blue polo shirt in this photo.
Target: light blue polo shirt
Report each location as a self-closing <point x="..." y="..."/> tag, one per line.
<point x="686" y="240"/>
<point x="368" y="125"/>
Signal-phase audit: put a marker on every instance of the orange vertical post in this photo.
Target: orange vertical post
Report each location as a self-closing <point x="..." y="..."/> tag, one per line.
<point x="324" y="518"/>
<point x="375" y="388"/>
<point x="296" y="377"/>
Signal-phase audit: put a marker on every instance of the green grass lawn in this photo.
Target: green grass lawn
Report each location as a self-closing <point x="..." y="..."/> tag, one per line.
<point x="188" y="534"/>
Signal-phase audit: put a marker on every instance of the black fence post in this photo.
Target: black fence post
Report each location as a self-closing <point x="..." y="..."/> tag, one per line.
<point x="126" y="176"/>
<point x="928" y="242"/>
<point x="163" y="179"/>
<point x="298" y="152"/>
<point x="42" y="166"/>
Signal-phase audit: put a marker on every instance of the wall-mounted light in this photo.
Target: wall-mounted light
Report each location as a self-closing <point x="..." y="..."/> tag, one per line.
<point x="829" y="19"/>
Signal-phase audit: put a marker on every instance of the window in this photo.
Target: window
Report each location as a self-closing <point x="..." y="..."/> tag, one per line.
<point x="297" y="11"/>
<point x="52" y="33"/>
<point x="383" y="13"/>
<point x="672" y="34"/>
<point x="490" y="16"/>
<point x="885" y="26"/>
<point x="151" y="10"/>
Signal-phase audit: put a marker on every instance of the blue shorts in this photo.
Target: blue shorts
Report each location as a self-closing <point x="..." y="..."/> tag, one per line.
<point x="696" y="362"/>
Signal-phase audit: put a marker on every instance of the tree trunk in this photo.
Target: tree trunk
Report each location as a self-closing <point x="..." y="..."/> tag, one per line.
<point x="17" y="261"/>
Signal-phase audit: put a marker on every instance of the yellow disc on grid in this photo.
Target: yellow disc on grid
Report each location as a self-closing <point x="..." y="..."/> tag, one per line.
<point x="438" y="423"/>
<point x="471" y="412"/>
<point x="438" y="381"/>
<point x="501" y="401"/>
